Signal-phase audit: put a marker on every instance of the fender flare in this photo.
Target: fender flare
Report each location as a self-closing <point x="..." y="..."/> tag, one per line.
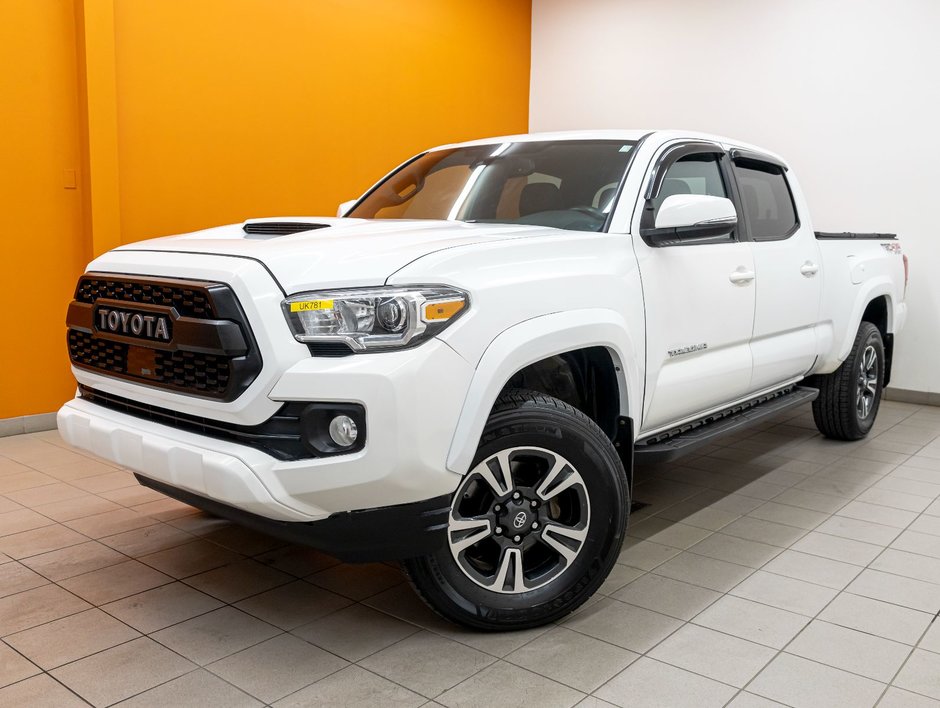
<point x="529" y="342"/>
<point x="875" y="288"/>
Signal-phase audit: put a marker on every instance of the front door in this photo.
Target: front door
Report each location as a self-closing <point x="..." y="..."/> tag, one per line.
<point x="699" y="299"/>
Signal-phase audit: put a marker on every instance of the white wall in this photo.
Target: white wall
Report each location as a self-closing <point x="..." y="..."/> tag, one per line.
<point x="848" y="91"/>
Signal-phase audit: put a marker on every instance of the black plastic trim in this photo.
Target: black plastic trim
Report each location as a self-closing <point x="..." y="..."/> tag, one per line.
<point x="752" y="156"/>
<point x="383" y="533"/>
<point x="295" y="432"/>
<point x="281" y="228"/>
<point x="855" y="236"/>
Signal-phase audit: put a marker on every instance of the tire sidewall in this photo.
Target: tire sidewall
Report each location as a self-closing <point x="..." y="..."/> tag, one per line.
<point x="604" y="479"/>
<point x="872" y="338"/>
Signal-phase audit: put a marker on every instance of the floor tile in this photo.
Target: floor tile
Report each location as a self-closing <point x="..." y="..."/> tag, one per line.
<point x="15" y="577"/>
<point x="74" y="560"/>
<point x="238" y="580"/>
<point x="161" y="607"/>
<point x="899" y="698"/>
<point x="130" y="669"/>
<point x="74" y="637"/>
<point x="358" y="581"/>
<point x="850" y="650"/>
<point x="40" y="691"/>
<point x="292" y="605"/>
<point x="668" y="533"/>
<point x="786" y="593"/>
<point x="789" y="515"/>
<point x="190" y="558"/>
<point x="735" y="550"/>
<point x="22" y="520"/>
<point x="277" y="667"/>
<point x="753" y="621"/>
<point x="896" y="500"/>
<point x="427" y="663"/>
<point x="750" y="700"/>
<point x="668" y="596"/>
<point x="572" y="658"/>
<point x="881" y="619"/>
<point x="837" y="548"/>
<point x="648" y="683"/>
<point x="115" y="581"/>
<point x="353" y="687"/>
<point x="627" y="626"/>
<point x="215" y="635"/>
<point x="931" y="640"/>
<point x="825" y="503"/>
<point x="78" y="507"/>
<point x="920" y="674"/>
<point x="41" y="540"/>
<point x="910" y="565"/>
<point x="866" y="531"/>
<point x="907" y="592"/>
<point x="492" y="684"/>
<point x="799" y="682"/>
<point x="645" y="555"/>
<point x="878" y="514"/>
<point x="196" y="689"/>
<point x="355" y="632"/>
<point x="924" y="544"/>
<point x="705" y="572"/>
<point x="619" y="576"/>
<point x="713" y="654"/>
<point x="14" y="667"/>
<point x="37" y="606"/>
<point x="813" y="569"/>
<point x="148" y="539"/>
<point x="768" y="532"/>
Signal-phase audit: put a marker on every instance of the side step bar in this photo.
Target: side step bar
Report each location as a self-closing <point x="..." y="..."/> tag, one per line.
<point x="670" y="445"/>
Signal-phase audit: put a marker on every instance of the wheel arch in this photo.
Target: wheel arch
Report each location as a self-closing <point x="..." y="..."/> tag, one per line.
<point x="596" y="337"/>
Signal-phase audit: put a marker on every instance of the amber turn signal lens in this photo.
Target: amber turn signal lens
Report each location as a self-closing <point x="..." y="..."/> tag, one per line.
<point x="436" y="311"/>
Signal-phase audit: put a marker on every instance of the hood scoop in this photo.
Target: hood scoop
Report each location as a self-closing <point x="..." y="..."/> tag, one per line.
<point x="280" y="228"/>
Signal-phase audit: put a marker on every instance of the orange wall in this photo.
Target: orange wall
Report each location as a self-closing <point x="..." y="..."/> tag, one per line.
<point x="42" y="243"/>
<point x="236" y="108"/>
<point x="225" y="109"/>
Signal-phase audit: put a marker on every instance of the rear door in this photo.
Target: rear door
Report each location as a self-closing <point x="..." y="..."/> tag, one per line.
<point x="787" y="266"/>
<point x="699" y="296"/>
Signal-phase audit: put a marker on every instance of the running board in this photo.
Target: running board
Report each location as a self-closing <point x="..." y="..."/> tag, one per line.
<point x="684" y="439"/>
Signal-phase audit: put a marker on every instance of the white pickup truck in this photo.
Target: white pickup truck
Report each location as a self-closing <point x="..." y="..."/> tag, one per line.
<point x="461" y="369"/>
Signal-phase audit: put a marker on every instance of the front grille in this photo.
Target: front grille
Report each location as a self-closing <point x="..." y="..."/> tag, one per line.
<point x="189" y="302"/>
<point x="212" y="354"/>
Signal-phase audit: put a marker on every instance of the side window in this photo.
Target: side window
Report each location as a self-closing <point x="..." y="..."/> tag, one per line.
<point x="767" y="201"/>
<point x="698" y="173"/>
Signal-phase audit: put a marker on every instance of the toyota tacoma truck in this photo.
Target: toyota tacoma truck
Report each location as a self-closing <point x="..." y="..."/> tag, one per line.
<point x="460" y="370"/>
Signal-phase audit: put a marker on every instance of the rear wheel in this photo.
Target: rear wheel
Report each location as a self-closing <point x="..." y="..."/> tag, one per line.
<point x="537" y="523"/>
<point x="850" y="396"/>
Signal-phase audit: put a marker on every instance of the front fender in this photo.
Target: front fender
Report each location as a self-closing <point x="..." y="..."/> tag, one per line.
<point x="533" y="340"/>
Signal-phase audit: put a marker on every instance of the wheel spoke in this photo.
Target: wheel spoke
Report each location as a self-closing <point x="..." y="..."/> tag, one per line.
<point x="553" y="533"/>
<point x="510" y="572"/>
<point x="872" y="386"/>
<point x="501" y="485"/>
<point x="465" y="532"/>
<point x="554" y="483"/>
<point x="869" y="359"/>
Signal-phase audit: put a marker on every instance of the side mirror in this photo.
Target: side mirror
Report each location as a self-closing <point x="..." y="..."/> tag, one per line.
<point x="691" y="217"/>
<point x="345" y="207"/>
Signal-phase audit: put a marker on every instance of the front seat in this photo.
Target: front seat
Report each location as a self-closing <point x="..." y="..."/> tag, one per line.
<point x="538" y="196"/>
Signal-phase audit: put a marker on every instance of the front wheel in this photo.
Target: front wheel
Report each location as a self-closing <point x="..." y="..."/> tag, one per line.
<point x="537" y="523"/>
<point x="849" y="397"/>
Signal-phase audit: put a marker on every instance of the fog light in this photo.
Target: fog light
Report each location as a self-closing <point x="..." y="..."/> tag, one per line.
<point x="343" y="430"/>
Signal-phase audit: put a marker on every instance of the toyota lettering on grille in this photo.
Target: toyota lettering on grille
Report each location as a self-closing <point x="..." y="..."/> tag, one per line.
<point x="132" y="323"/>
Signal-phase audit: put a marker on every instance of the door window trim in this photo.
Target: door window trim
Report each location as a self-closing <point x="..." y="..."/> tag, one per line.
<point x="754" y="158"/>
<point x="672" y="154"/>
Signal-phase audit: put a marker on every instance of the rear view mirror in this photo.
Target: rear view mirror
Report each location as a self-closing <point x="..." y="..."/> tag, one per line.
<point x="688" y="217"/>
<point x="345" y="207"/>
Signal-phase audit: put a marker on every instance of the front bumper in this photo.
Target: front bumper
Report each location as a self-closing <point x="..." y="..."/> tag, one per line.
<point x="412" y="401"/>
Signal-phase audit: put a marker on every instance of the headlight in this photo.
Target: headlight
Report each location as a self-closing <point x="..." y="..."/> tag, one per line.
<point x="374" y="318"/>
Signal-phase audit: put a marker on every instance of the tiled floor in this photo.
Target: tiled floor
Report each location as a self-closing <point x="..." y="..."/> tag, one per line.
<point x="776" y="567"/>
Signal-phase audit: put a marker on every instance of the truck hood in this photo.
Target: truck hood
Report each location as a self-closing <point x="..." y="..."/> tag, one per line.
<point x="336" y="252"/>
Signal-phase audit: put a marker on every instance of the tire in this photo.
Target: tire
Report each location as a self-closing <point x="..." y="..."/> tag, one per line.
<point x="564" y="531"/>
<point x="849" y="397"/>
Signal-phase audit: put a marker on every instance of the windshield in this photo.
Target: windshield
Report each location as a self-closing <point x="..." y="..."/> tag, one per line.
<point x="568" y="184"/>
